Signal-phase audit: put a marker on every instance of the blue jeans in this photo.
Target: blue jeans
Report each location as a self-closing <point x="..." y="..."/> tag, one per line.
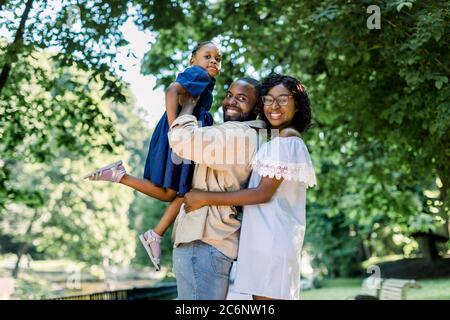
<point x="202" y="271"/>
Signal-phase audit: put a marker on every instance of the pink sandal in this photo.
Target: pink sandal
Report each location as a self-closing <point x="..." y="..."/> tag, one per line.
<point x="112" y="172"/>
<point x="152" y="244"/>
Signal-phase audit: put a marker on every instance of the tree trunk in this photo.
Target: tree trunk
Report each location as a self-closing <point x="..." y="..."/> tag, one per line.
<point x="24" y="247"/>
<point x="444" y="198"/>
<point x="427" y="245"/>
<point x="17" y="39"/>
<point x="365" y="248"/>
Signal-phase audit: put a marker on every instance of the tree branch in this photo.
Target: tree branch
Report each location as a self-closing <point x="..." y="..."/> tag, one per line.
<point x="17" y="39"/>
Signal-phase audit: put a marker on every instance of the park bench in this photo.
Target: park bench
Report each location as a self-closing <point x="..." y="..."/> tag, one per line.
<point x="395" y="289"/>
<point x="160" y="292"/>
<point x="385" y="289"/>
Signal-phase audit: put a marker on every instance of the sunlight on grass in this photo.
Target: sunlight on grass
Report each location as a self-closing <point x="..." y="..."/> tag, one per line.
<point x="334" y="289"/>
<point x="438" y="289"/>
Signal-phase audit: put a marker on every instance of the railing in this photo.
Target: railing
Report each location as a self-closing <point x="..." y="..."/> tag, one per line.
<point x="164" y="291"/>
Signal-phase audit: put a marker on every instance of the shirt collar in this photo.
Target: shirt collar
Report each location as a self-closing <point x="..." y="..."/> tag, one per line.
<point x="257" y="124"/>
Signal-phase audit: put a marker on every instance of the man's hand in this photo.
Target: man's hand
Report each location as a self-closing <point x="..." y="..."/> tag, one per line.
<point x="194" y="200"/>
<point x="187" y="103"/>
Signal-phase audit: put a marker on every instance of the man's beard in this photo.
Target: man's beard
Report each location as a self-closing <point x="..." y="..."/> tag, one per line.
<point x="239" y="117"/>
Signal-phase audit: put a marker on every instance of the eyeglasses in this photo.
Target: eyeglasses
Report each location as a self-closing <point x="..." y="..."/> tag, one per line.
<point x="281" y="100"/>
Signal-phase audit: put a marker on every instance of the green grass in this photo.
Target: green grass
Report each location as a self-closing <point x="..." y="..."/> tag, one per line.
<point x="341" y="289"/>
<point x="333" y="289"/>
<point x="438" y="289"/>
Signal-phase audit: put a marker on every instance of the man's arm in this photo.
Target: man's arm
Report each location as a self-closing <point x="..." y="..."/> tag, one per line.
<point x="216" y="146"/>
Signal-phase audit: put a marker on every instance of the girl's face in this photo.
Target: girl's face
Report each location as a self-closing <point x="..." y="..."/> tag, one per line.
<point x="279" y="107"/>
<point x="209" y="58"/>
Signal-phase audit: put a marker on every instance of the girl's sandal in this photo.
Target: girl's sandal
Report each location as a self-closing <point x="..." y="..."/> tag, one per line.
<point x="152" y="244"/>
<point x="112" y="172"/>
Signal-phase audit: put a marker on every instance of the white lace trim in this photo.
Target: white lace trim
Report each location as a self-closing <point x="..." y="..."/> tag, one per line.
<point x="301" y="172"/>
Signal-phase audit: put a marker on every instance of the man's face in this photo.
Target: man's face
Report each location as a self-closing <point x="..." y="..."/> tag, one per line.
<point x="240" y="102"/>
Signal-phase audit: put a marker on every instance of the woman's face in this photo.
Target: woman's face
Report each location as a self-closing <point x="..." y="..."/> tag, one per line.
<point x="209" y="58"/>
<point x="279" y="107"/>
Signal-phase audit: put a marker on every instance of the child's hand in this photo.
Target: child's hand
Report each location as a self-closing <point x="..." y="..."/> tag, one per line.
<point x="193" y="200"/>
<point x="187" y="101"/>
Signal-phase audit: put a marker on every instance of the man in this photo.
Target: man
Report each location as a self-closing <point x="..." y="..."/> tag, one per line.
<point x="206" y="240"/>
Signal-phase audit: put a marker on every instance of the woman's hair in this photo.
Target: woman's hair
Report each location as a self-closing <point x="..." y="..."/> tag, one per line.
<point x="302" y="118"/>
<point x="198" y="46"/>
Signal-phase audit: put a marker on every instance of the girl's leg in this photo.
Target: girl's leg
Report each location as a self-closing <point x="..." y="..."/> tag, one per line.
<point x="151" y="239"/>
<point x="115" y="172"/>
<point x="147" y="187"/>
<point x="169" y="216"/>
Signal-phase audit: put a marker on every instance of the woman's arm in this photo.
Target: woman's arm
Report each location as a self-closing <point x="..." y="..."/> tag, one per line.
<point x="173" y="93"/>
<point x="196" y="199"/>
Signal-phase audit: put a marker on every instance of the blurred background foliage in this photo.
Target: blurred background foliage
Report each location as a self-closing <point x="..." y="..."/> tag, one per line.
<point x="380" y="141"/>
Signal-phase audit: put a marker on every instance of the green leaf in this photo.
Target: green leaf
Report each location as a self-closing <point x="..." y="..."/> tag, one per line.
<point x="440" y="81"/>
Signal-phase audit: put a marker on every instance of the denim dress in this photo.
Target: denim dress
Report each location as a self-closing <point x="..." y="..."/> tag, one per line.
<point x="160" y="168"/>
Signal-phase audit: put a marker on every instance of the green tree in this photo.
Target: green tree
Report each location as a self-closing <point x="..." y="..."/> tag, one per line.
<point x="44" y="106"/>
<point x="54" y="79"/>
<point x="77" y="220"/>
<point x="60" y="215"/>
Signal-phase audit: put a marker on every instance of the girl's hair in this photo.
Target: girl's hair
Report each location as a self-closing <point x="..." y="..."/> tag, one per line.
<point x="257" y="87"/>
<point x="302" y="118"/>
<point x="198" y="46"/>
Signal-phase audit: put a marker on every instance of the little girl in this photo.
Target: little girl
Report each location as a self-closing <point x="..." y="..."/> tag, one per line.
<point x="164" y="179"/>
<point x="273" y="224"/>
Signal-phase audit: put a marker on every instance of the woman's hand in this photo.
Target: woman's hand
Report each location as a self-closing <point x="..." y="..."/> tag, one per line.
<point x="194" y="200"/>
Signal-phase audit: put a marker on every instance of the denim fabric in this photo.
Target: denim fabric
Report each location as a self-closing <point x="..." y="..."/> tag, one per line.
<point x="202" y="271"/>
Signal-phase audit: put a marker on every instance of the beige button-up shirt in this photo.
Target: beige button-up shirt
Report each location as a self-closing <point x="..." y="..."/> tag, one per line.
<point x="223" y="155"/>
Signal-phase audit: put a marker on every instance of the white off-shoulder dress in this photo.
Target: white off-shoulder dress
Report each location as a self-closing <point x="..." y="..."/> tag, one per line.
<point x="272" y="233"/>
